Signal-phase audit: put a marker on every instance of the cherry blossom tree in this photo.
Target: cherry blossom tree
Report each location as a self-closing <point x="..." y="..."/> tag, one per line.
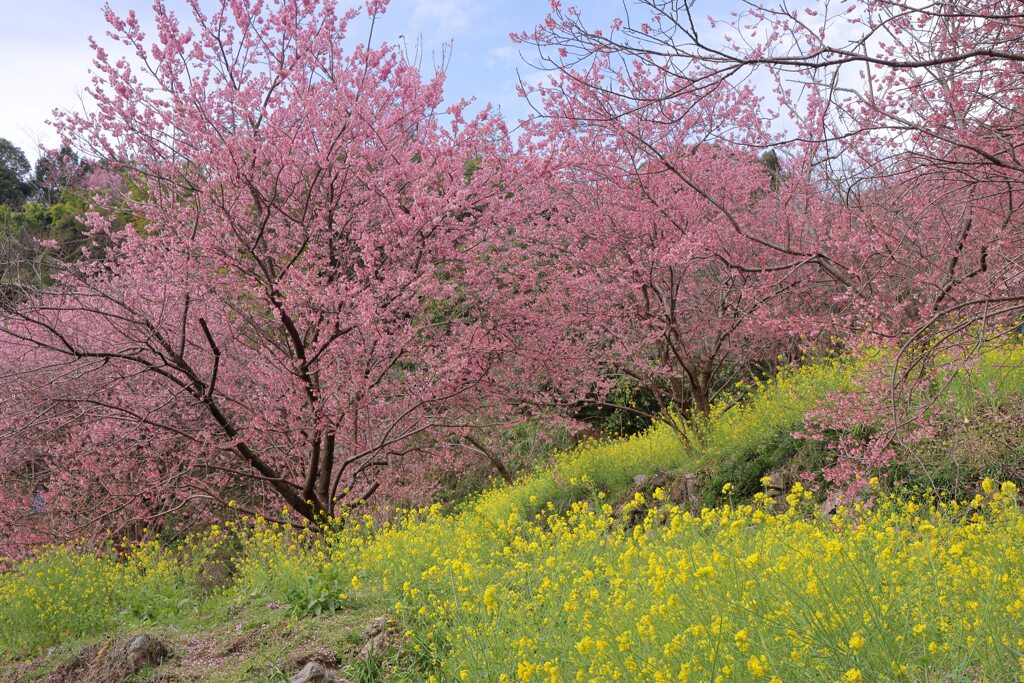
<point x="284" y="322"/>
<point x="906" y="117"/>
<point x="309" y="282"/>
<point x="696" y="256"/>
<point x="905" y="114"/>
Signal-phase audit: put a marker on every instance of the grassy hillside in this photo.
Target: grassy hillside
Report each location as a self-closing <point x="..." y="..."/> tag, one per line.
<point x="587" y="570"/>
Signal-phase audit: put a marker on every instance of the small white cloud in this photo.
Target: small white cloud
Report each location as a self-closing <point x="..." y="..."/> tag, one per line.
<point x="506" y="54"/>
<point x="447" y="17"/>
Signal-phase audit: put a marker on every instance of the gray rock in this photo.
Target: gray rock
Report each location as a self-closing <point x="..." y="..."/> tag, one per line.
<point x="377" y="626"/>
<point x="830" y="505"/>
<point x="376" y="635"/>
<point x="651" y="481"/>
<point x="141" y="651"/>
<point x="112" y="661"/>
<point x="686" y="492"/>
<point x="313" y="672"/>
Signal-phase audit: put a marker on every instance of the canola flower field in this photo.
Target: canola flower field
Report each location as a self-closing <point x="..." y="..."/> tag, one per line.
<point x="906" y="590"/>
<point x="546" y="581"/>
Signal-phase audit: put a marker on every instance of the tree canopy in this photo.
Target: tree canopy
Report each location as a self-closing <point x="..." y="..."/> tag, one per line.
<point x="15" y="187"/>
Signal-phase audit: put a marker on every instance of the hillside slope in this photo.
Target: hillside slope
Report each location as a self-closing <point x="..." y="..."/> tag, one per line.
<point x="604" y="566"/>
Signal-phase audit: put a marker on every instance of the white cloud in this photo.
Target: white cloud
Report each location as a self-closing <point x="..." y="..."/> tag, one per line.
<point x="502" y="56"/>
<point x="446" y="18"/>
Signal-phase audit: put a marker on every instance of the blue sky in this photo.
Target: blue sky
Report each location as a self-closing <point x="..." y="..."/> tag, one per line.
<point x="45" y="54"/>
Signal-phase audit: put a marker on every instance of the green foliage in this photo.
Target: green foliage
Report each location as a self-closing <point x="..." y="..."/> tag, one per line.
<point x="743" y="470"/>
<point x="754" y="417"/>
<point x="523" y="447"/>
<point x="26" y="263"/>
<point x="990" y="445"/>
<point x="14" y="174"/>
<point x="639" y="403"/>
<point x="594" y="467"/>
<point x="68" y="593"/>
<point x="993" y="381"/>
<point x="977" y="430"/>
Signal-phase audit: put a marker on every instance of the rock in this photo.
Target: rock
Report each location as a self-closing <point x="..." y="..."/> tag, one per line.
<point x="685" y="491"/>
<point x="780" y="483"/>
<point x="313" y="672"/>
<point x="778" y="488"/>
<point x="831" y="505"/>
<point x="112" y="661"/>
<point x="377" y="626"/>
<point x="312" y="653"/>
<point x="141" y="651"/>
<point x="376" y="636"/>
<point x="651" y="481"/>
